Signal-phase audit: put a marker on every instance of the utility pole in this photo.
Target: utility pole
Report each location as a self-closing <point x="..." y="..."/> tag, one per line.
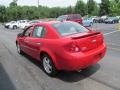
<point x="38" y="3"/>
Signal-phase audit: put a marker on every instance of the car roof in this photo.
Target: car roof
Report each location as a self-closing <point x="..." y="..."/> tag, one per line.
<point x="48" y="22"/>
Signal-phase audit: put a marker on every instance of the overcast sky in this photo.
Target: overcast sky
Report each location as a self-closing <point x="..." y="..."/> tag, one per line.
<point x="49" y="3"/>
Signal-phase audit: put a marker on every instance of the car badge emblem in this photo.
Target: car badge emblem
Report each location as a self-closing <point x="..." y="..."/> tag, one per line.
<point x="93" y="41"/>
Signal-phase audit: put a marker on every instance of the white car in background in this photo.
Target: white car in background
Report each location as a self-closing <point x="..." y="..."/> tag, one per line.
<point x="9" y="24"/>
<point x="22" y="24"/>
<point x="16" y="24"/>
<point x="25" y="25"/>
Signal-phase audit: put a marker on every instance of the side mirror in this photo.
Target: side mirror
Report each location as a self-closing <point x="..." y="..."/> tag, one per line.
<point x="20" y="35"/>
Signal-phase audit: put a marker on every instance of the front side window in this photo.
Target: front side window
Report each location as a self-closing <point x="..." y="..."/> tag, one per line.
<point x="28" y="31"/>
<point x="39" y="32"/>
<point x="68" y="28"/>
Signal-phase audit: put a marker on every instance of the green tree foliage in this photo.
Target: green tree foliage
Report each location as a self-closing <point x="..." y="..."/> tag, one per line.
<point x="15" y="12"/>
<point x="105" y="7"/>
<point x="80" y="8"/>
<point x="91" y="6"/>
<point x="13" y="3"/>
<point x="2" y="13"/>
<point x="95" y="12"/>
<point x="115" y="7"/>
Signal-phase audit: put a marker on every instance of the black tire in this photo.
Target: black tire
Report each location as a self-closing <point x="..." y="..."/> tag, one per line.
<point x="113" y="22"/>
<point x="91" y="24"/>
<point x="19" y="49"/>
<point x="52" y="69"/>
<point x="15" y="27"/>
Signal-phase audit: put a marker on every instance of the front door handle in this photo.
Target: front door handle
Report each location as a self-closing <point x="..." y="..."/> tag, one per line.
<point x="38" y="43"/>
<point x="26" y="41"/>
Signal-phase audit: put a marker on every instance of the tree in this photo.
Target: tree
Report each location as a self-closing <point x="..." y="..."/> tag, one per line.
<point x="13" y="3"/>
<point x="95" y="12"/>
<point x="80" y="8"/>
<point x="91" y="4"/>
<point x="114" y="7"/>
<point x="117" y="1"/>
<point x="104" y="7"/>
<point x="2" y="13"/>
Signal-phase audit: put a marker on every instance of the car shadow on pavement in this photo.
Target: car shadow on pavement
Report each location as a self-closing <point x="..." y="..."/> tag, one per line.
<point x="69" y="76"/>
<point x="77" y="76"/>
<point x="5" y="82"/>
<point x="34" y="61"/>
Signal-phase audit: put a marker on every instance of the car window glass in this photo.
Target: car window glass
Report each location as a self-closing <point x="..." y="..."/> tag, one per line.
<point x="68" y="28"/>
<point x="27" y="32"/>
<point x="62" y="18"/>
<point x="39" y="32"/>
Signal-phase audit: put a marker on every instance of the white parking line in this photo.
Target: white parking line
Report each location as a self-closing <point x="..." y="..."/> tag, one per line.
<point x="111" y="32"/>
<point x="116" y="49"/>
<point x="114" y="44"/>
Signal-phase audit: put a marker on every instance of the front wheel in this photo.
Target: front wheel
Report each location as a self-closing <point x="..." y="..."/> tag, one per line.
<point x="91" y="24"/>
<point x="48" y="66"/>
<point x="19" y="49"/>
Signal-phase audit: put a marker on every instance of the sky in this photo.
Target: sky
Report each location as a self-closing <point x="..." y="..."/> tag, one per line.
<point x="49" y="3"/>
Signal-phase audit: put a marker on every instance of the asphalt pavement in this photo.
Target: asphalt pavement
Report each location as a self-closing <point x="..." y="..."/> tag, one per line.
<point x="21" y="72"/>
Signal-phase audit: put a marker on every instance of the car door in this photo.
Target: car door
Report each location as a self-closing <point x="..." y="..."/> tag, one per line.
<point x="24" y="39"/>
<point x="35" y="41"/>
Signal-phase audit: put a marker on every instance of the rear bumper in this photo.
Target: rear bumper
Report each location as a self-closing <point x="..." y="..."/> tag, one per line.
<point x="79" y="61"/>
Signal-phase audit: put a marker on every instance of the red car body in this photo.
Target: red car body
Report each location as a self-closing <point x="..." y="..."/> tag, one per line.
<point x="71" y="17"/>
<point x="69" y="52"/>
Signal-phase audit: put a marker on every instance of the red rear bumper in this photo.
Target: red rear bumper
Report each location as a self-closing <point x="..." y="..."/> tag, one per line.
<point x="77" y="61"/>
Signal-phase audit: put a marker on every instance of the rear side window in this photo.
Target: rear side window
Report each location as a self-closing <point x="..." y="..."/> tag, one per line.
<point x="69" y="28"/>
<point x="39" y="32"/>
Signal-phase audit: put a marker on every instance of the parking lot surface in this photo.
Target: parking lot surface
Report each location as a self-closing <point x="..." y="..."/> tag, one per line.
<point x="19" y="72"/>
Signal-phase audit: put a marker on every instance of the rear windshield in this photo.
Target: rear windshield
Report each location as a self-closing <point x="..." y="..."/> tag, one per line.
<point x="69" y="28"/>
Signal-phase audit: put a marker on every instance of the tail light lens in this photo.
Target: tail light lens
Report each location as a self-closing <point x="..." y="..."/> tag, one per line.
<point x="72" y="47"/>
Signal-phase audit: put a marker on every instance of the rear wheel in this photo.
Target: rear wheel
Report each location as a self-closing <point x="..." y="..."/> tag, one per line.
<point x="14" y="27"/>
<point x="48" y="65"/>
<point x="113" y="22"/>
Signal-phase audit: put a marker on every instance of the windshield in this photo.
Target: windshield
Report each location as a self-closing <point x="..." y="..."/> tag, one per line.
<point x="34" y="21"/>
<point x="13" y="22"/>
<point x="111" y="18"/>
<point x="68" y="28"/>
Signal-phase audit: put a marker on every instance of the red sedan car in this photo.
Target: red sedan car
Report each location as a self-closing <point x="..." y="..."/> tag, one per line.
<point x="61" y="45"/>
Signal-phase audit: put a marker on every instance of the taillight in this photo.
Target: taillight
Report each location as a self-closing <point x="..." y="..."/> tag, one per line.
<point x="72" y="47"/>
<point x="102" y="39"/>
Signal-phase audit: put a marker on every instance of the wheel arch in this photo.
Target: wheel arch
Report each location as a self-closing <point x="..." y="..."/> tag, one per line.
<point x="51" y="55"/>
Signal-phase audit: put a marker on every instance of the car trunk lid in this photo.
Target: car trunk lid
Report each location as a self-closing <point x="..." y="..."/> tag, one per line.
<point x="88" y="40"/>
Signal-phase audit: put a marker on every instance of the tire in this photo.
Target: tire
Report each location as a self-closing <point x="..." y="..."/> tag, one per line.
<point x="14" y="27"/>
<point x="48" y="65"/>
<point x="94" y="21"/>
<point x="91" y="24"/>
<point x="113" y="22"/>
<point x="19" y="49"/>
